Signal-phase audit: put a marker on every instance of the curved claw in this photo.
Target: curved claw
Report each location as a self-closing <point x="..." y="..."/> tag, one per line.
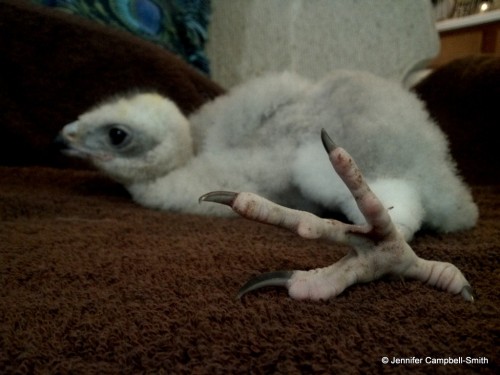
<point x="275" y="278"/>
<point x="328" y="143"/>
<point x="222" y="197"/>
<point x="467" y="293"/>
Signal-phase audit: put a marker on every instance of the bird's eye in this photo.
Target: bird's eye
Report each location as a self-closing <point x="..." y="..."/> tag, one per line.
<point x="117" y="136"/>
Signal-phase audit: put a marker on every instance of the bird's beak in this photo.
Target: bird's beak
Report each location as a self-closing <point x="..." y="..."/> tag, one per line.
<point x="69" y="131"/>
<point x="68" y="143"/>
<point x="60" y="143"/>
<point x="64" y="141"/>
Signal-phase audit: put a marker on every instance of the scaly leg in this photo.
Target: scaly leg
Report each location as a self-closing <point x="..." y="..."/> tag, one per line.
<point x="378" y="248"/>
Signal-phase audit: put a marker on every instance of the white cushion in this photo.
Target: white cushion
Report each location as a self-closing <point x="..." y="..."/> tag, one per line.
<point x="312" y="37"/>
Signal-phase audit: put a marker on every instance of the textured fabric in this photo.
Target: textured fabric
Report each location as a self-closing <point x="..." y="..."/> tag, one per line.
<point x="178" y="25"/>
<point x="385" y="37"/>
<point x="94" y="284"/>
<point x="462" y="97"/>
<point x="91" y="283"/>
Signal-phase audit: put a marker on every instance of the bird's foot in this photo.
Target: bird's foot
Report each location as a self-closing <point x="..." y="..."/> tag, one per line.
<point x="378" y="248"/>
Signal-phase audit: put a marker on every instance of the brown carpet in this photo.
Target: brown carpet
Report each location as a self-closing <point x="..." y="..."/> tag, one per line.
<point x="92" y="283"/>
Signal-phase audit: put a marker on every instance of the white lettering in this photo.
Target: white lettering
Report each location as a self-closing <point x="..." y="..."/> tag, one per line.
<point x="476" y="361"/>
<point x="444" y="361"/>
<point x="406" y="361"/>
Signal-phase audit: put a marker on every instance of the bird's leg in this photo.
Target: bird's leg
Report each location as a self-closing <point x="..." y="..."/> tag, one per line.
<point x="378" y="248"/>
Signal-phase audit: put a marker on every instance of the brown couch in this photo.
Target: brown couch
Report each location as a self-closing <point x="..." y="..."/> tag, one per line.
<point x="93" y="283"/>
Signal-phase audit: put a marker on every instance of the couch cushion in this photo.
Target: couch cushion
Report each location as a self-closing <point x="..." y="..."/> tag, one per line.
<point x="312" y="38"/>
<point x="462" y="97"/>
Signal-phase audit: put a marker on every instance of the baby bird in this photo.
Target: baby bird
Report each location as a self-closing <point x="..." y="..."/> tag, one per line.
<point x="263" y="137"/>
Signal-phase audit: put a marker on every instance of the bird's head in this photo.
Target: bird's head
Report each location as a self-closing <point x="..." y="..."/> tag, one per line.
<point x="132" y="139"/>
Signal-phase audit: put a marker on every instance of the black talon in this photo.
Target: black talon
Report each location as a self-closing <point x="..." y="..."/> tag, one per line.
<point x="468" y="293"/>
<point x="275" y="278"/>
<point x="328" y="143"/>
<point x="223" y="197"/>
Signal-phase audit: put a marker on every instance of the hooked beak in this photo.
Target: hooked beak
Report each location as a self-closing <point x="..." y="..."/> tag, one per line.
<point x="60" y="143"/>
<point x="65" y="142"/>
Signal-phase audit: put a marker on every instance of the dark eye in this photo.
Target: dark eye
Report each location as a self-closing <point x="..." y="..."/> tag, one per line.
<point x="117" y="136"/>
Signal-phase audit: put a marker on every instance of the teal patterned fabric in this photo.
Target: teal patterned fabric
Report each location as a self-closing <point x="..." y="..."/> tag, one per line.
<point x="178" y="25"/>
